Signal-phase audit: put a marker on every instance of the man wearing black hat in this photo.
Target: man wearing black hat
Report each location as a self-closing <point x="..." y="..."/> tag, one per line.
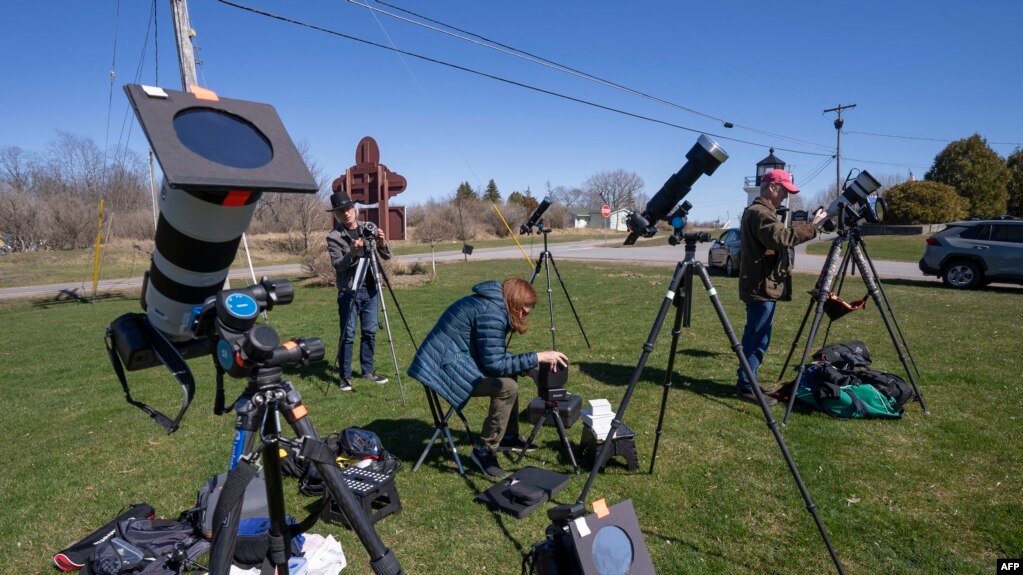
<point x="357" y="290"/>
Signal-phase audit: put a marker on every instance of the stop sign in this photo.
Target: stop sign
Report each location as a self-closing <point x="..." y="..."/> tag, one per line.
<point x="605" y="210"/>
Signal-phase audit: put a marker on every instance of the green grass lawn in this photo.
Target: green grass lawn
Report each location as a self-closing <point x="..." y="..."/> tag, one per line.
<point x="893" y="248"/>
<point x="124" y="259"/>
<point x="922" y="495"/>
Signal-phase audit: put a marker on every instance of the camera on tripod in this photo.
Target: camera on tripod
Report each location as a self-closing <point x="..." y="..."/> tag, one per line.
<point x="855" y="206"/>
<point x="369" y="231"/>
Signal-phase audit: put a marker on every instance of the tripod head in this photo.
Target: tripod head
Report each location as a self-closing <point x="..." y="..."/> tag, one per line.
<point x="242" y="348"/>
<point x="678" y="220"/>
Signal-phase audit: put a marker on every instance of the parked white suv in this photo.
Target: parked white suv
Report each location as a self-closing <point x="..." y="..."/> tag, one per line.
<point x="974" y="253"/>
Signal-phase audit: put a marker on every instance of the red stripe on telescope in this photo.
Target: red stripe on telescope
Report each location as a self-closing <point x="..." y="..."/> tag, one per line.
<point x="237" y="198"/>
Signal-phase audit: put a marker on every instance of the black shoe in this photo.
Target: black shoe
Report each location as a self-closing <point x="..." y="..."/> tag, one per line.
<point x="516" y="443"/>
<point x="752" y="398"/>
<point x="374" y="377"/>
<point x="487" y="462"/>
<point x="345" y="384"/>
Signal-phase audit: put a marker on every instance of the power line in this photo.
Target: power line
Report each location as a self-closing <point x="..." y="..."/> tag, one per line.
<point x="817" y="171"/>
<point x="508" y="81"/>
<point x="429" y="102"/>
<point x="519" y="53"/>
<point x="534" y="88"/>
<point x="926" y="139"/>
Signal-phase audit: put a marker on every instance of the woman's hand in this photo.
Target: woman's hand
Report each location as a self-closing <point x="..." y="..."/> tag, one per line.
<point x="554" y="358"/>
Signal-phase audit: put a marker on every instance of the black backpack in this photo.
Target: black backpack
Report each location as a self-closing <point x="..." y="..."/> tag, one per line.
<point x="887" y="383"/>
<point x="845" y="355"/>
<point x="148" y="547"/>
<point x="78" y="554"/>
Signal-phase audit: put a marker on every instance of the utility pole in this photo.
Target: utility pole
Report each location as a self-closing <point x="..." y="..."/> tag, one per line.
<point x="838" y="143"/>
<point x="183" y="34"/>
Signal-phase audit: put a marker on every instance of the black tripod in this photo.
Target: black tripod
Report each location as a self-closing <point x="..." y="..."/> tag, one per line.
<point x="259" y="408"/>
<point x="836" y="266"/>
<point x="546" y="259"/>
<point x="683" y="279"/>
<point x="369" y="266"/>
<point x="551" y="397"/>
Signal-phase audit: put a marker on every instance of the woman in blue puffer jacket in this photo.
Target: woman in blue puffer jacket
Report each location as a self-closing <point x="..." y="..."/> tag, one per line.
<point x="464" y="355"/>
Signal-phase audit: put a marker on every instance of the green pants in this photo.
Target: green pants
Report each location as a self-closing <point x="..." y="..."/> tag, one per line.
<point x="504" y="409"/>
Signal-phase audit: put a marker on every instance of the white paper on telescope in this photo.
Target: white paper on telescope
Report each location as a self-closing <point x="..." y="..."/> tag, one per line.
<point x="581" y="526"/>
<point x="154" y="92"/>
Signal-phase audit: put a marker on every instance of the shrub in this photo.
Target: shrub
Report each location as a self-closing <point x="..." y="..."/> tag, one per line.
<point x="924" y="202"/>
<point x="316" y="265"/>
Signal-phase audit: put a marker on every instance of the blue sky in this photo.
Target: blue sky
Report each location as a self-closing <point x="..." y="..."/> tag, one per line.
<point x="920" y="71"/>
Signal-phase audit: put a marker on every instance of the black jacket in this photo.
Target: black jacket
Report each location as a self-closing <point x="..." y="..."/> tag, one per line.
<point x="345" y="260"/>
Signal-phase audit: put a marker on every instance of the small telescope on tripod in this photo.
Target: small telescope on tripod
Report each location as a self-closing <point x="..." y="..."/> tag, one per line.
<point x="534" y="219"/>
<point x="703" y="159"/>
<point x="854" y="205"/>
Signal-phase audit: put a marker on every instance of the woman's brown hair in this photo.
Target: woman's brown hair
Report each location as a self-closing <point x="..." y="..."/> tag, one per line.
<point x="518" y="294"/>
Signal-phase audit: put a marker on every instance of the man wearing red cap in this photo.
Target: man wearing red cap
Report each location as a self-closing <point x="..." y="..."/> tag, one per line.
<point x="765" y="270"/>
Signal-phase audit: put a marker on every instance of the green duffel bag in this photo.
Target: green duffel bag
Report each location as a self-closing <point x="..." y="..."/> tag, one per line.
<point x="844" y="396"/>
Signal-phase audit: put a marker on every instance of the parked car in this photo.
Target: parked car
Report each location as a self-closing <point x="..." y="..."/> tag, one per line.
<point x="724" y="252"/>
<point x="973" y="253"/>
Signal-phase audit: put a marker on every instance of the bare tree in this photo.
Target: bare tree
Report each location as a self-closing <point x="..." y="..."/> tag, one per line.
<point x="124" y="185"/>
<point x="298" y="216"/>
<point x="435" y="226"/>
<point x="570" y="197"/>
<point x="16" y="167"/>
<point x="74" y="165"/>
<point x="23" y="220"/>
<point x="617" y="188"/>
<point x="72" y="221"/>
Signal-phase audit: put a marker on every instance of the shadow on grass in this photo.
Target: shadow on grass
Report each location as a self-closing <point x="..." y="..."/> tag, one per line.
<point x="322" y="374"/>
<point x="66" y="296"/>
<point x="723" y="394"/>
<point x="676" y="540"/>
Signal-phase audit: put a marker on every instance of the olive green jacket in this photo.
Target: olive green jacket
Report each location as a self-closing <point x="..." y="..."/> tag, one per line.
<point x="765" y="269"/>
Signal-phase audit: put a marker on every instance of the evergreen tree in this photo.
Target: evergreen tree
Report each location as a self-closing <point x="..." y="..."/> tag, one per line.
<point x="526" y="200"/>
<point x="491" y="192"/>
<point x="976" y="172"/>
<point x="465" y="192"/>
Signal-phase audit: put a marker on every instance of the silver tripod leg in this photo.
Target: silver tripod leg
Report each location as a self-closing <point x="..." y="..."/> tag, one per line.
<point x="387" y="323"/>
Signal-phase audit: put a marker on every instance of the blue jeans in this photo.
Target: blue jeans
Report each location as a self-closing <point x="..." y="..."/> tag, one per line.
<point x="756" y="336"/>
<point x="361" y="304"/>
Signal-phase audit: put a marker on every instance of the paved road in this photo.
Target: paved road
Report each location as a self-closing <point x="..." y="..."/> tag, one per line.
<point x="661" y="254"/>
<point x="592" y="250"/>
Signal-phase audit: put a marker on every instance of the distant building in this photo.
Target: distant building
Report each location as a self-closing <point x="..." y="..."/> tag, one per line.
<point x="752" y="183"/>
<point x="581" y="219"/>
<point x="616" y="221"/>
